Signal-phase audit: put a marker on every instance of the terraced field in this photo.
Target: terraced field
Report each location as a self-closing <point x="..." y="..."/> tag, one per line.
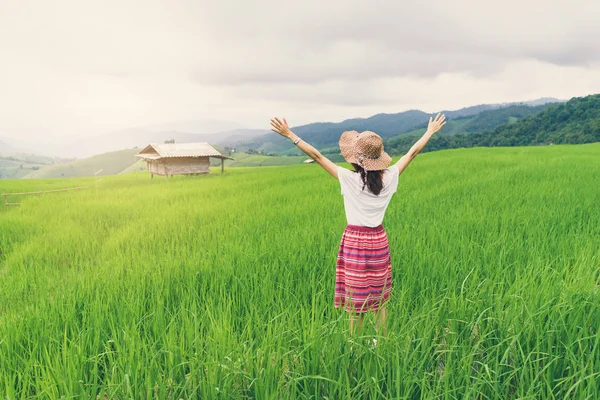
<point x="221" y="286"/>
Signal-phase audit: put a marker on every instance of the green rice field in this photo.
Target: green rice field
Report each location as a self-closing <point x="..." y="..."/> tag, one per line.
<point x="221" y="286"/>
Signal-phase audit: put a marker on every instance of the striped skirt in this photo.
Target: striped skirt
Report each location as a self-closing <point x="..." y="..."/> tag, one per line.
<point x="363" y="276"/>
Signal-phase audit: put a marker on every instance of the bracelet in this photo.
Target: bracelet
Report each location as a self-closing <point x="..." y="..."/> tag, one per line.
<point x="297" y="140"/>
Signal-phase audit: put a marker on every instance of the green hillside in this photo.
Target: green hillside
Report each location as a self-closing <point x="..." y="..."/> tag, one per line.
<point x="241" y="159"/>
<point x="263" y="151"/>
<point x="16" y="166"/>
<point x="574" y="122"/>
<point x="325" y="135"/>
<point x="111" y="163"/>
<point x="486" y="120"/>
<point x="122" y="162"/>
<point x="139" y="165"/>
<point x="221" y="286"/>
<point x="261" y="160"/>
<point x="257" y="160"/>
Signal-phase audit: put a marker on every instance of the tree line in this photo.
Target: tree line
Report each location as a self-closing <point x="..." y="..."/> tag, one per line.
<point x="574" y="122"/>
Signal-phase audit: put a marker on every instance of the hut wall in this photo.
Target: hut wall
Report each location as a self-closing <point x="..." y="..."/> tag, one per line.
<point x="156" y="167"/>
<point x="186" y="165"/>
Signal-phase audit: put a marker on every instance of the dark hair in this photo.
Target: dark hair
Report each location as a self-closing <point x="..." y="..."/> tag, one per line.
<point x="371" y="179"/>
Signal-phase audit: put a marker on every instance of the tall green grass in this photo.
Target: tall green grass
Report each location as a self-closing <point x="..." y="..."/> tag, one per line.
<point x="222" y="286"/>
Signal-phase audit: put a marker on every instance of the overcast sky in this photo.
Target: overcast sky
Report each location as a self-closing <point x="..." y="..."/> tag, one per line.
<point x="78" y="67"/>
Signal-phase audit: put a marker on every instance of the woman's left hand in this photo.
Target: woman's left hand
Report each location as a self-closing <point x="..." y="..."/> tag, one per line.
<point x="281" y="127"/>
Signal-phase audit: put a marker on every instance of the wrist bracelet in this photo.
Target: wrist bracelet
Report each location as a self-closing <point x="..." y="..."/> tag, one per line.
<point x="297" y="140"/>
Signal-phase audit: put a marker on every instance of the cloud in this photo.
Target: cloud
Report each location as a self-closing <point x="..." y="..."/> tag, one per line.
<point x="81" y="68"/>
<point x="364" y="40"/>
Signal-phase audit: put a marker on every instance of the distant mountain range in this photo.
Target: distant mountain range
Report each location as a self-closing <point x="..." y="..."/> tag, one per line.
<point x="181" y="131"/>
<point x="5" y="148"/>
<point x="575" y="122"/>
<point x="16" y="166"/>
<point x="484" y="121"/>
<point x="323" y="135"/>
<point x="137" y="137"/>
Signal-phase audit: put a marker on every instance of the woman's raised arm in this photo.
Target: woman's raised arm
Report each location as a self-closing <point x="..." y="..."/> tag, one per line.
<point x="434" y="126"/>
<point x="283" y="129"/>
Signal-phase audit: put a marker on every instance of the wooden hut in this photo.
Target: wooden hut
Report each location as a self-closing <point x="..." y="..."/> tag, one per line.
<point x="180" y="158"/>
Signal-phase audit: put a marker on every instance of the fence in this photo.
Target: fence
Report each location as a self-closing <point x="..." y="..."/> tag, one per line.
<point x="6" y="195"/>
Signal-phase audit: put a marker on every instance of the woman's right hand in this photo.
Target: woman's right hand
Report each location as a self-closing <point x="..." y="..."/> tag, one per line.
<point x="436" y="124"/>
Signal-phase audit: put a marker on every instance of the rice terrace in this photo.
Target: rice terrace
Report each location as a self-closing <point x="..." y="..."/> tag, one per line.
<point x="198" y="286"/>
<point x="316" y="200"/>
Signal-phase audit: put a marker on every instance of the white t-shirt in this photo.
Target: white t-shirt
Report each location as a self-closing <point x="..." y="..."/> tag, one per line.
<point x="362" y="207"/>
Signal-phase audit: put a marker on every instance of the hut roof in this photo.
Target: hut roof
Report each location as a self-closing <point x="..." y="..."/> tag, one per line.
<point x="155" y="151"/>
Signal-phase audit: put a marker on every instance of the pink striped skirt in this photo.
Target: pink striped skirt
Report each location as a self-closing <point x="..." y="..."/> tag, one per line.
<point x="363" y="276"/>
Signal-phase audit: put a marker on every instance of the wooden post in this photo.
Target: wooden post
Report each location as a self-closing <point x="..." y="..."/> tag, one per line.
<point x="222" y="165"/>
<point x="96" y="174"/>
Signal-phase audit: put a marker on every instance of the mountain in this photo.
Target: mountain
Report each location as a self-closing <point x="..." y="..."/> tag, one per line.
<point x="137" y="137"/>
<point x="181" y="131"/>
<point x="18" y="165"/>
<point x="505" y="115"/>
<point x="483" y="121"/>
<point x="123" y="139"/>
<point x="119" y="162"/>
<point x="197" y="126"/>
<point x="231" y="137"/>
<point x="6" y="148"/>
<point x="110" y="163"/>
<point x="542" y="101"/>
<point x="574" y="122"/>
<point x="325" y="135"/>
<point x="11" y="147"/>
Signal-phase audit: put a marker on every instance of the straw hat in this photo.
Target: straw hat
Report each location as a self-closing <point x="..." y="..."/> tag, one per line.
<point x="364" y="149"/>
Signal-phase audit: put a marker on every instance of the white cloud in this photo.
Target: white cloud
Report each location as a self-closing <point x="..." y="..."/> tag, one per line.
<point x="72" y="67"/>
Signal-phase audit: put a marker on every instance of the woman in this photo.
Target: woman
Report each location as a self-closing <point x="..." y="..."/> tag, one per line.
<point x="363" y="269"/>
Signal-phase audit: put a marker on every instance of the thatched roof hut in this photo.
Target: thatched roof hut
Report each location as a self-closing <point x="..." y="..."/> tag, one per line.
<point x="180" y="158"/>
